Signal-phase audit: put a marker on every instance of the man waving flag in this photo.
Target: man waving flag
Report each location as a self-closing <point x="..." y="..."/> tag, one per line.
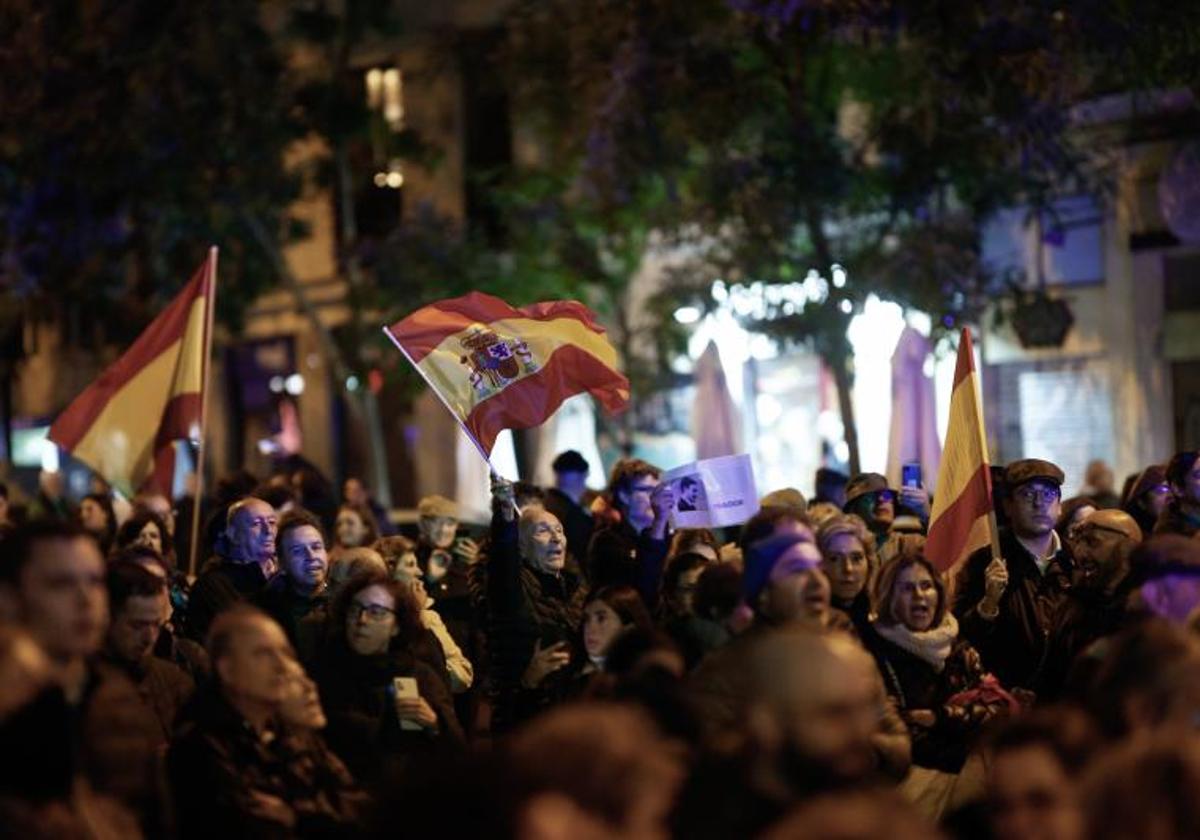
<point x="962" y="519"/>
<point x="125" y="423"/>
<point x="497" y="367"/>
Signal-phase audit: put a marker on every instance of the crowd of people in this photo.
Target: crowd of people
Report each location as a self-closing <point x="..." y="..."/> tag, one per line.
<point x="580" y="668"/>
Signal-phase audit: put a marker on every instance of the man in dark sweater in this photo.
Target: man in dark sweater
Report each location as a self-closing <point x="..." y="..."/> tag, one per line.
<point x="297" y="597"/>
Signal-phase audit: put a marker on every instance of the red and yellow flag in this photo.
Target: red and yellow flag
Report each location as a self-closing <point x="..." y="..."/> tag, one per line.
<point x="959" y="522"/>
<point x="124" y="424"/>
<point x="497" y="367"/>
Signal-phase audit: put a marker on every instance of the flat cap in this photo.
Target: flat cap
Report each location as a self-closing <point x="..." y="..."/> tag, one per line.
<point x="788" y="497"/>
<point x="1031" y="469"/>
<point x="862" y="484"/>
<point x="437" y="506"/>
<point x="1117" y="521"/>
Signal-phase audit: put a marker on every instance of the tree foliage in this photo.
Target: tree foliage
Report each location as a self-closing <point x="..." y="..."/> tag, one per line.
<point x="779" y="136"/>
<point x="131" y="132"/>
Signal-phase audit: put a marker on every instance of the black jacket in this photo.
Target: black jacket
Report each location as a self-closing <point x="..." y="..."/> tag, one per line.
<point x="220" y="769"/>
<point x="221" y="585"/>
<point x="618" y="555"/>
<point x="1014" y="646"/>
<point x="364" y="729"/>
<point x="1082" y="618"/>
<point x="915" y="684"/>
<point x="120" y="742"/>
<point x="301" y="617"/>
<point x="525" y="607"/>
<point x="164" y="687"/>
<point x="858" y="611"/>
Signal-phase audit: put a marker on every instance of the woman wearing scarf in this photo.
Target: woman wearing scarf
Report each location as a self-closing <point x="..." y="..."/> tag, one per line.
<point x="934" y="676"/>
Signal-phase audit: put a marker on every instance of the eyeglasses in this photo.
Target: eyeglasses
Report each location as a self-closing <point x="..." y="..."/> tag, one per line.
<point x="1037" y="495"/>
<point x="373" y="612"/>
<point x="883" y="496"/>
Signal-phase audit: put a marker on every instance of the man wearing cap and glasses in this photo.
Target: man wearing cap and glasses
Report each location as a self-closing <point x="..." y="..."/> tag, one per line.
<point x="1006" y="607"/>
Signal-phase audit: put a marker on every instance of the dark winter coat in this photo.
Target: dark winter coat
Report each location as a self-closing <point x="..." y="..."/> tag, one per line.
<point x="221" y="585"/>
<point x="525" y="607"/>
<point x="1082" y="619"/>
<point x="1014" y="645"/>
<point x="364" y="728"/>
<point x="220" y="771"/>
<point x="620" y="556"/>
<point x="302" y="617"/>
<point x="164" y="688"/>
<point x="915" y="684"/>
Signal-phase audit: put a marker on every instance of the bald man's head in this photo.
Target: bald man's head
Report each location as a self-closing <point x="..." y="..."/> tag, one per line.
<point x="1101" y="546"/>
<point x="250" y="527"/>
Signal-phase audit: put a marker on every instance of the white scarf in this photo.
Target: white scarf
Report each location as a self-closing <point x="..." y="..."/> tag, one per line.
<point x="931" y="645"/>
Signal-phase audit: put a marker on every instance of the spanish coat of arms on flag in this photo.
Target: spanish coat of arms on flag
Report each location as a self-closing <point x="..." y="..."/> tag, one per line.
<point x="499" y="367"/>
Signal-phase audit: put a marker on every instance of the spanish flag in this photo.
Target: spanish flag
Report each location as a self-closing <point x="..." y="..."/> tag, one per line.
<point x="124" y="424"/>
<point x="962" y="509"/>
<point x="497" y="367"/>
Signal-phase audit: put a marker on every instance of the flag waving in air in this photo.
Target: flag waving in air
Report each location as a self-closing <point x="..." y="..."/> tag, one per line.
<point x="124" y="424"/>
<point x="497" y="367"/>
<point x="962" y="510"/>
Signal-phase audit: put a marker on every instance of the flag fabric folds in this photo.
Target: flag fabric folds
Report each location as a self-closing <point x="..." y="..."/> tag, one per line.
<point x="959" y="522"/>
<point x="498" y="367"/>
<point x="124" y="424"/>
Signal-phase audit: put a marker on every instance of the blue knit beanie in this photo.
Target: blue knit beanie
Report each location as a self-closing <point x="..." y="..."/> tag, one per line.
<point x="760" y="559"/>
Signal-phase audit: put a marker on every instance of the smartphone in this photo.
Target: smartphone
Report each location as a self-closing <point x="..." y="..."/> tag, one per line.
<point x="910" y="475"/>
<point x="405" y="688"/>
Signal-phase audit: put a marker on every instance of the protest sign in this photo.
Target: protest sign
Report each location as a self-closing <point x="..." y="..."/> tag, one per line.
<point x="714" y="493"/>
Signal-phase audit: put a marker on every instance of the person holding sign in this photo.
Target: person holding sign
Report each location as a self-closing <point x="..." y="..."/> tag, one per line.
<point x="632" y="551"/>
<point x="1006" y="606"/>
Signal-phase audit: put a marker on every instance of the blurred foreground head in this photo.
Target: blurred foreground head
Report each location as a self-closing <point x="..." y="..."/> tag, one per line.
<point x="854" y="815"/>
<point x="815" y="702"/>
<point x="592" y="770"/>
<point x="1149" y="680"/>
<point x="1034" y="773"/>
<point x="1146" y="788"/>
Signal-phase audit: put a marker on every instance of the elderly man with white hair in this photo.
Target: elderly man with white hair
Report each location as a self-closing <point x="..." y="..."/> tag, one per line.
<point x="536" y="605"/>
